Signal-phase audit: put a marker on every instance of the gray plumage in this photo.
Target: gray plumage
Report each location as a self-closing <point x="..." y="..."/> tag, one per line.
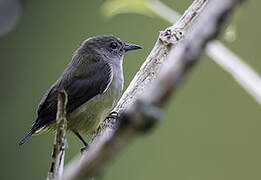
<point x="93" y="81"/>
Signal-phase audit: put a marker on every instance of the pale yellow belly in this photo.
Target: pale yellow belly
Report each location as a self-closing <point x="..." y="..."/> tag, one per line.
<point x="88" y="116"/>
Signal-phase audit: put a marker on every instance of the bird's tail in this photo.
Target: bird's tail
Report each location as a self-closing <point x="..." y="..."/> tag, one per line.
<point x="29" y="134"/>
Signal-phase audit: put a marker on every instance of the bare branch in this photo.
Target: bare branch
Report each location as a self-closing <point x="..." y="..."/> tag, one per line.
<point x="141" y="104"/>
<point x="150" y="69"/>
<point x="242" y="73"/>
<point x="60" y="143"/>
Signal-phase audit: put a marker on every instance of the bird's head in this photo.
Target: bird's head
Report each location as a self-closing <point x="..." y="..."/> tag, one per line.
<point x="108" y="46"/>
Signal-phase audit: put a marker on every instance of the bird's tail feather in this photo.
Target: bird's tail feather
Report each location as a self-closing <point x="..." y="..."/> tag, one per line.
<point x="29" y="134"/>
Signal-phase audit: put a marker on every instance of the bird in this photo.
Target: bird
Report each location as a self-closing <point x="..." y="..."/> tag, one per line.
<point x="93" y="81"/>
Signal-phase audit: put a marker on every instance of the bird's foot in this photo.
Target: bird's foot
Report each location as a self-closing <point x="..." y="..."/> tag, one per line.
<point x="113" y="115"/>
<point x="84" y="149"/>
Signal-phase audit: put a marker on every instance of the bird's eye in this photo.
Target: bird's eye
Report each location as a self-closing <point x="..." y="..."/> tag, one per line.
<point x="113" y="45"/>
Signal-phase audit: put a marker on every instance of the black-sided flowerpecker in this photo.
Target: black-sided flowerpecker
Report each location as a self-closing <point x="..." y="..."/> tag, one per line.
<point x="93" y="81"/>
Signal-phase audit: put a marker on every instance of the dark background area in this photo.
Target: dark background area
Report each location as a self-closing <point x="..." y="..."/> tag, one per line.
<point x="210" y="130"/>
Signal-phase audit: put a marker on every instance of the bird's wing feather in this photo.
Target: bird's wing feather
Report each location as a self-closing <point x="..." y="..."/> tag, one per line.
<point x="84" y="88"/>
<point x="80" y="89"/>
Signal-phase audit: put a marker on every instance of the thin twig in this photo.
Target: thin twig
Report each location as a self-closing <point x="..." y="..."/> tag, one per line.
<point x="242" y="73"/>
<point x="60" y="143"/>
<point x="140" y="115"/>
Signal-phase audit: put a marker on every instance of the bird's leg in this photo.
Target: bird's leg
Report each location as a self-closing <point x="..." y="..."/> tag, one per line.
<point x="86" y="145"/>
<point x="114" y="115"/>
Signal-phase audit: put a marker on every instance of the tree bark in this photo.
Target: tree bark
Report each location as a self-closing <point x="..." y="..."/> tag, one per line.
<point x="60" y="143"/>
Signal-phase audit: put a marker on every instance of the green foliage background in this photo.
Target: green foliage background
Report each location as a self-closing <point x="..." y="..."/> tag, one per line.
<point x="210" y="130"/>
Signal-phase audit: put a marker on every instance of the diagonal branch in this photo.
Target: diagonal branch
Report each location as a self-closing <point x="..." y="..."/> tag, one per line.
<point x="242" y="73"/>
<point x="150" y="69"/>
<point x="141" y="105"/>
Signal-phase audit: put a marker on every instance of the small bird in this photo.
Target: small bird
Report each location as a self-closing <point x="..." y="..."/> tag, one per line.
<point x="93" y="81"/>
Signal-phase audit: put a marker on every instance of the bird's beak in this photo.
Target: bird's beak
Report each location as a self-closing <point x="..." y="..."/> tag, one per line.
<point x="128" y="47"/>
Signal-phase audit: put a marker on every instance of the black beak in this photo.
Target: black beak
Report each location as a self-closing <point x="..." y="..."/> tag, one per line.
<point x="129" y="47"/>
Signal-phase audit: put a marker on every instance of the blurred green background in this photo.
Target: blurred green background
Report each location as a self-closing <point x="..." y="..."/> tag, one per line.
<point x="210" y="130"/>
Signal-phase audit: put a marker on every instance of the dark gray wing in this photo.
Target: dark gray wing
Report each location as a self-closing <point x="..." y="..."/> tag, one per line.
<point x="80" y="88"/>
